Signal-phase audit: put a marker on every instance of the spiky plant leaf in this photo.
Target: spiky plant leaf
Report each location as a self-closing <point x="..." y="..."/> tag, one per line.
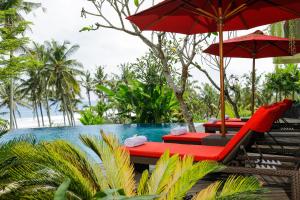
<point x="119" y="172"/>
<point x="162" y="173"/>
<point x="8" y="159"/>
<point x="142" y="187"/>
<point x="187" y="175"/>
<point x="111" y="140"/>
<point x="51" y="162"/>
<point x="209" y="193"/>
<point x="241" y="188"/>
<point x="109" y="194"/>
<point x="61" y="192"/>
<point x="234" y="188"/>
<point x="143" y="197"/>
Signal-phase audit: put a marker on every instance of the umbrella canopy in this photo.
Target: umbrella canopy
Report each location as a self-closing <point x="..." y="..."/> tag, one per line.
<point x="203" y="16"/>
<point x="255" y="45"/>
<point x="200" y="16"/>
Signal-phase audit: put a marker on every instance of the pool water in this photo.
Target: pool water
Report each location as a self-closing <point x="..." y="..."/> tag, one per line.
<point x="153" y="132"/>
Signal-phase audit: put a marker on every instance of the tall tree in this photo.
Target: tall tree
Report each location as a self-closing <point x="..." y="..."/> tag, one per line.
<point x="88" y="84"/>
<point x="172" y="50"/>
<point x="13" y="26"/>
<point x="100" y="79"/>
<point x="18" y="99"/>
<point x="12" y="39"/>
<point x="35" y="84"/>
<point x="62" y="73"/>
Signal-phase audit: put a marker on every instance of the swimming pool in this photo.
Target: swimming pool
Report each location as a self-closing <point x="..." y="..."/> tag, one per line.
<point x="153" y="132"/>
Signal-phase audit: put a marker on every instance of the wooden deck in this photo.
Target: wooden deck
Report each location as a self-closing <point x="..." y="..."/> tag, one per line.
<point x="273" y="192"/>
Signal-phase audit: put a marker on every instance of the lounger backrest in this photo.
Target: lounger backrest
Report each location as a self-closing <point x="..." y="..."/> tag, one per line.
<point x="284" y="106"/>
<point x="268" y="119"/>
<point x="288" y="102"/>
<point x="261" y="121"/>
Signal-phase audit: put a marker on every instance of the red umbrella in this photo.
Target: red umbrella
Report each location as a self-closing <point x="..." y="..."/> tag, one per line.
<point x="203" y="16"/>
<point x="255" y="45"/>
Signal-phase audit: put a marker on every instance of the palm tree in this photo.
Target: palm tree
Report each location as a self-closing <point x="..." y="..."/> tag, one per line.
<point x="88" y="84"/>
<point x="100" y="79"/>
<point x="62" y="72"/>
<point x="40" y="169"/>
<point x="36" y="83"/>
<point x="18" y="100"/>
<point x="30" y="88"/>
<point x="19" y="6"/>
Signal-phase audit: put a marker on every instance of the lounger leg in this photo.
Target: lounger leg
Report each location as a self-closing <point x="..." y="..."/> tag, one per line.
<point x="140" y="167"/>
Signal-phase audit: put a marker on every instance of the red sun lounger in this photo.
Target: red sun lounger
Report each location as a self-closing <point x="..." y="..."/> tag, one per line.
<point x="230" y="155"/>
<point x="207" y="138"/>
<point x="236" y="125"/>
<point x="150" y="152"/>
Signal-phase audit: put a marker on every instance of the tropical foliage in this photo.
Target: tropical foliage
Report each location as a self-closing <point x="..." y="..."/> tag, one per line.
<point x="5" y="89"/>
<point x="38" y="75"/>
<point x="3" y="126"/>
<point x="94" y="115"/>
<point x="87" y="82"/>
<point x="46" y="77"/>
<point x="143" y="104"/>
<point x="62" y="71"/>
<point x="12" y="40"/>
<point x="61" y="170"/>
<point x="284" y="81"/>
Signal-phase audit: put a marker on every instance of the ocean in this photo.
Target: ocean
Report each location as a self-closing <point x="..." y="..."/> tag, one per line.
<point x="27" y="119"/>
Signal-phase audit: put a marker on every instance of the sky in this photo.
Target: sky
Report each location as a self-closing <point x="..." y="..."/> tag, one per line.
<point x="109" y="48"/>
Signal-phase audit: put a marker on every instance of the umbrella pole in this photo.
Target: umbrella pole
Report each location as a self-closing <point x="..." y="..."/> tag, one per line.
<point x="253" y="87"/>
<point x="222" y="89"/>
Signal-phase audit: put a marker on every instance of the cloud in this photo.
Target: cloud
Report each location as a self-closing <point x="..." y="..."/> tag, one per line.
<point x="62" y="21"/>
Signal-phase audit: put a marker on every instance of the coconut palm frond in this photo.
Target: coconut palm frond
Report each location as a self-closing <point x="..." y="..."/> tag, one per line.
<point x="29" y="169"/>
<point x="181" y="167"/>
<point x="187" y="174"/>
<point x="111" y="140"/>
<point x="126" y="170"/>
<point x="18" y="178"/>
<point x="27" y="193"/>
<point x="77" y="159"/>
<point x="61" y="192"/>
<point x="162" y="173"/>
<point x="9" y="163"/>
<point x="116" y="162"/>
<point x="237" y="187"/>
<point x="58" y="159"/>
<point x="115" y="171"/>
<point x="142" y="187"/>
<point x="94" y="144"/>
<point x="205" y="167"/>
<point x="209" y="193"/>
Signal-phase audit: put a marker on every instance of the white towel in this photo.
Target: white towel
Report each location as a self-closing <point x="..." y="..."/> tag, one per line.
<point x="135" y="141"/>
<point x="213" y="120"/>
<point x="178" y="131"/>
<point x="227" y="117"/>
